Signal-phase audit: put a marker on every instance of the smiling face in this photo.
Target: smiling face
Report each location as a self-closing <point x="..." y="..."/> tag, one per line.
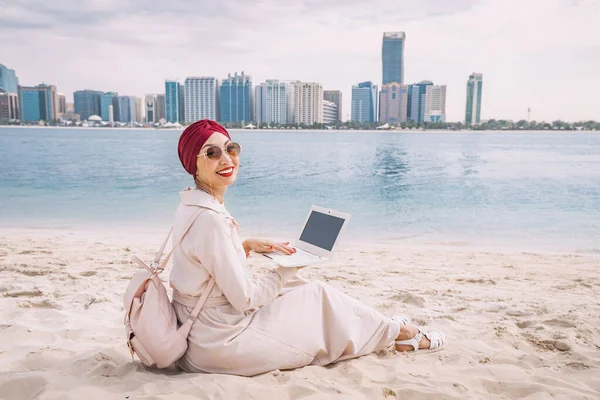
<point x="217" y="174"/>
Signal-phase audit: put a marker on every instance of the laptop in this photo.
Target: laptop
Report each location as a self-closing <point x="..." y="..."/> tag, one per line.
<point x="321" y="230"/>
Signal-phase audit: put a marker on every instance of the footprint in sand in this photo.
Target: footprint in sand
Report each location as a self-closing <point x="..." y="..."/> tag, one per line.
<point x="107" y="363"/>
<point x="409" y="298"/>
<point x="34" y="272"/>
<point x="561" y="323"/>
<point x="484" y="281"/>
<point x="24" y="293"/>
<point x="41" y="304"/>
<point x="525" y="324"/>
<point x="24" y="388"/>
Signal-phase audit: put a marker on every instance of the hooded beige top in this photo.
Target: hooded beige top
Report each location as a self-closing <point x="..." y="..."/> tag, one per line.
<point x="250" y="325"/>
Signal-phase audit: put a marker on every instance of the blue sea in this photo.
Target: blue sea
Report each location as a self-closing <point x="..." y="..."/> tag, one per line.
<point x="528" y="190"/>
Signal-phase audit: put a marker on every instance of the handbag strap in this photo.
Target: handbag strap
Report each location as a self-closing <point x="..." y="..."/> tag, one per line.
<point x="155" y="267"/>
<point x="186" y="327"/>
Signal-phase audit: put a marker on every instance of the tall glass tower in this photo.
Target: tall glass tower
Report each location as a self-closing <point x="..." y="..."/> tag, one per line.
<point x="236" y="99"/>
<point x="87" y="103"/>
<point x="392" y="57"/>
<point x="173" y="101"/>
<point x="473" y="110"/>
<point x="364" y="102"/>
<point x="8" y="80"/>
<point x="417" y="101"/>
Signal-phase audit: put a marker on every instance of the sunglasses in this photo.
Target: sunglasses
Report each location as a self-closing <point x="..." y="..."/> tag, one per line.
<point x="215" y="153"/>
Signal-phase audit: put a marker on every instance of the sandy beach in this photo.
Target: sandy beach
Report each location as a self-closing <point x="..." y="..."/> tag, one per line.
<point x="519" y="325"/>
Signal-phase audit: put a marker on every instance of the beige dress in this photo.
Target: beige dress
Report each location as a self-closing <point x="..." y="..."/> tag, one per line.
<point x="249" y="325"/>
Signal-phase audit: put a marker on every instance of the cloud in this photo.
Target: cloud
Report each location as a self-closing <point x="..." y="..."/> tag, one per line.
<point x="541" y="54"/>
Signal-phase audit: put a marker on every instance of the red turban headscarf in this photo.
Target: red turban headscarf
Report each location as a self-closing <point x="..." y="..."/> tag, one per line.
<point x="193" y="138"/>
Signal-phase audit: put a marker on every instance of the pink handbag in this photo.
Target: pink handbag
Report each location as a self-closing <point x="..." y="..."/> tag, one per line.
<point x="150" y="321"/>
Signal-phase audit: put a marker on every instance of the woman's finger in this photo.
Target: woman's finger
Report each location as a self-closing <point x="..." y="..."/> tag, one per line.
<point x="285" y="246"/>
<point x="284" y="249"/>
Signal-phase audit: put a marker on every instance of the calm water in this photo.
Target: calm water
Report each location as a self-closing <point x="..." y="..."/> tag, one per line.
<point x="523" y="189"/>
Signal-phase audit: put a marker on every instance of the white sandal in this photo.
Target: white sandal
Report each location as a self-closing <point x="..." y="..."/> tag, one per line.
<point x="436" y="340"/>
<point x="402" y="319"/>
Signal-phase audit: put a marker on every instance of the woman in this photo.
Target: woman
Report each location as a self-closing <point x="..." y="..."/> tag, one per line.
<point x="249" y="325"/>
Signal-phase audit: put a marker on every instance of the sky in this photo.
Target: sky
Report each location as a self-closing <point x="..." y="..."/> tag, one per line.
<point x="538" y="54"/>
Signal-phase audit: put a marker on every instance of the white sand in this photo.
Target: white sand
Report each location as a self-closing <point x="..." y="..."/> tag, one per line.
<point x="518" y="325"/>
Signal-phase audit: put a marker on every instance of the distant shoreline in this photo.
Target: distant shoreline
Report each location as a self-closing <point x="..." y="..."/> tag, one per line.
<point x="449" y="131"/>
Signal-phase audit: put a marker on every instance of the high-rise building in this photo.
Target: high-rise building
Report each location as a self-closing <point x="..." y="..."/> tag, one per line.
<point x="201" y="98"/>
<point x="308" y="103"/>
<point x="37" y="103"/>
<point x="133" y="109"/>
<point x="392" y="57"/>
<point x="9" y="106"/>
<point x="182" y="103"/>
<point x="9" y="82"/>
<point x="435" y="104"/>
<point x="473" y="109"/>
<point x="364" y="102"/>
<point x="107" y="100"/>
<point x="274" y="102"/>
<point x="116" y="107"/>
<point x="61" y="104"/>
<point x="87" y="103"/>
<point x="236" y="99"/>
<point x="330" y="112"/>
<point x="417" y="101"/>
<point x="393" y="103"/>
<point x="160" y="107"/>
<point x="173" y="104"/>
<point x="139" y="109"/>
<point x="334" y="96"/>
<point x="150" y="108"/>
<point x="124" y="109"/>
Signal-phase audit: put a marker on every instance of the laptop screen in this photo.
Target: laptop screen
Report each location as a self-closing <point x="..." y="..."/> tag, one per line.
<point x="322" y="230"/>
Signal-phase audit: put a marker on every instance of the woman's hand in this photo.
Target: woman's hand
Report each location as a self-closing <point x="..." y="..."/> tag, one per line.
<point x="267" y="246"/>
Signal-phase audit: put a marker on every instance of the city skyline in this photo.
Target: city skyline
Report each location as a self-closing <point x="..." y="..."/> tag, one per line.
<point x="517" y="48"/>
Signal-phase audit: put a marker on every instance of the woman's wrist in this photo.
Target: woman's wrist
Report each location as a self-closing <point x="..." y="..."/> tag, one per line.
<point x="247" y="247"/>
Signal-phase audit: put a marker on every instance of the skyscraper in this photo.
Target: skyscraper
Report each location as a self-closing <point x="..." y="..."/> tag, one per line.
<point x="181" y="102"/>
<point x="140" y="117"/>
<point x="116" y="109"/>
<point x="201" y="98"/>
<point x="61" y="104"/>
<point x="124" y="109"/>
<point x="173" y="101"/>
<point x="150" y="107"/>
<point x="37" y="103"/>
<point x="308" y="103"/>
<point x="87" y="103"/>
<point x="330" y="112"/>
<point x="435" y="104"/>
<point x="160" y="107"/>
<point x="473" y="109"/>
<point x="392" y="57"/>
<point x="274" y="102"/>
<point x="364" y="102"/>
<point x="9" y="106"/>
<point x="335" y="96"/>
<point x="9" y="82"/>
<point x="106" y="100"/>
<point x="417" y="101"/>
<point x="393" y="103"/>
<point x="236" y="99"/>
